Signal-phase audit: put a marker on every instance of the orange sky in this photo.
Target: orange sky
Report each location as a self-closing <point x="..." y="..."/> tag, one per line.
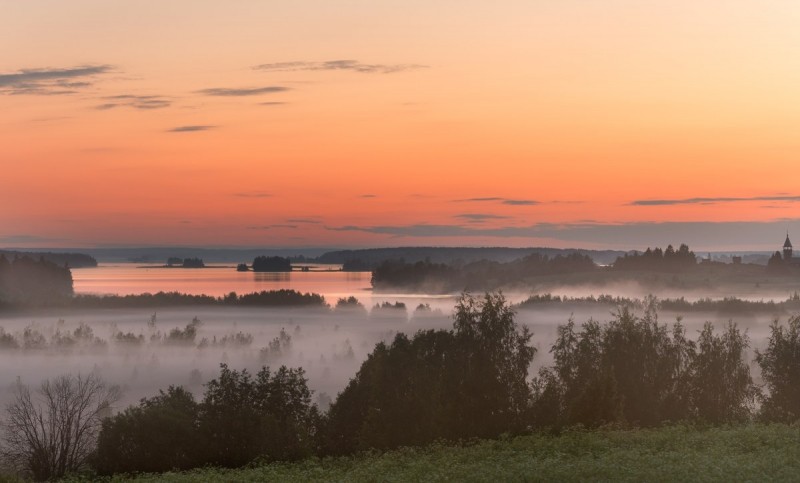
<point x="151" y="123"/>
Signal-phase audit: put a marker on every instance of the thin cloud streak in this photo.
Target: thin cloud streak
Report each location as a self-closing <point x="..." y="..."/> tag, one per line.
<point x="497" y="199"/>
<point x="194" y="128"/>
<point x="48" y="81"/>
<point x="691" y="201"/>
<point x="623" y="235"/>
<point x="341" y="65"/>
<point x="253" y="194"/>
<point x="242" y="92"/>
<point x="303" y="220"/>
<point x="481" y="216"/>
<point x="135" y="101"/>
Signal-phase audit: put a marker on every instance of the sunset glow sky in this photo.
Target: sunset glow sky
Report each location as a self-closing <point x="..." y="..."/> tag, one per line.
<point x="593" y="124"/>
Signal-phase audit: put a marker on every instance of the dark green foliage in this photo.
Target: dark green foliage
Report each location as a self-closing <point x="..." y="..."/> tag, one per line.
<point x="25" y="281"/>
<point x="747" y="453"/>
<point x="158" y="435"/>
<point x="467" y="382"/>
<point x="776" y="264"/>
<point x="720" y="386"/>
<point x="242" y="267"/>
<point x="193" y="263"/>
<point x="350" y="304"/>
<point x="668" y="260"/>
<point x="397" y="273"/>
<point x="272" y="264"/>
<point x="272" y="298"/>
<point x="636" y="371"/>
<point x="71" y="260"/>
<point x="184" y="336"/>
<point x="241" y="418"/>
<point x="280" y="298"/>
<point x="356" y="265"/>
<point x="270" y="416"/>
<point x="479" y="275"/>
<point x="780" y="369"/>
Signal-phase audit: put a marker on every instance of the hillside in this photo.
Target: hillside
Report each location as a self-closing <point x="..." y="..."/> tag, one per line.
<point x="739" y="453"/>
<point x="458" y="255"/>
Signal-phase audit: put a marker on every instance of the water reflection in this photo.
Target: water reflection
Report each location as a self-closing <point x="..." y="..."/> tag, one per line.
<point x="273" y="276"/>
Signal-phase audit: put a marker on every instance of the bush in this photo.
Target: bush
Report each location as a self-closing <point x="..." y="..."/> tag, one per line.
<point x="463" y="383"/>
<point x="780" y="369"/>
<point x="636" y="371"/>
<point x="158" y="435"/>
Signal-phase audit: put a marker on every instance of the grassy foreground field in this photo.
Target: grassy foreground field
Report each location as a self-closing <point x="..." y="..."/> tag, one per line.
<point x="738" y="453"/>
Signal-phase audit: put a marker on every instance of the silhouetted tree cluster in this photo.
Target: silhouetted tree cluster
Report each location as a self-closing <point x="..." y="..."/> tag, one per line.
<point x="398" y="273"/>
<point x="467" y="382"/>
<point x="480" y="275"/>
<point x="669" y="260"/>
<point x="173" y="261"/>
<point x="71" y="260"/>
<point x="636" y="371"/>
<point x="777" y="265"/>
<point x="240" y="418"/>
<point x="271" y="298"/>
<point x="25" y="281"/>
<point x="52" y="432"/>
<point x="272" y="264"/>
<point x="350" y="304"/>
<point x="780" y="369"/>
<point x="356" y="265"/>
<point x="193" y="263"/>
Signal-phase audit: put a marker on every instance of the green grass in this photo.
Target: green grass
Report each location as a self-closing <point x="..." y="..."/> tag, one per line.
<point x="740" y="453"/>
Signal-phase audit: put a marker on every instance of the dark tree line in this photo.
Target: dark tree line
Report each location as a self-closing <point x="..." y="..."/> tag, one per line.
<point x="481" y="275"/>
<point x="72" y="260"/>
<point x="668" y="260"/>
<point x="271" y="298"/>
<point x="471" y="381"/>
<point x="26" y="281"/>
<point x="272" y="264"/>
<point x="635" y="371"/>
<point x="241" y="417"/>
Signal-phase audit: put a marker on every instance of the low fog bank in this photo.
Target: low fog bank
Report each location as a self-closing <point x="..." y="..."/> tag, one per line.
<point x="146" y="350"/>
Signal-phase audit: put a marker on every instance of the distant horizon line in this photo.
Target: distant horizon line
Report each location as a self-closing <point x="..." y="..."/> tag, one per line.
<point x="324" y="248"/>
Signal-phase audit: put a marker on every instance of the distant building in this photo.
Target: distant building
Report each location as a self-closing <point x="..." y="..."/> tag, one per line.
<point x="787" y="249"/>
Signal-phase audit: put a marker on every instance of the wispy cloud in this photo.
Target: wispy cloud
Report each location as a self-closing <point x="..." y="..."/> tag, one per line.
<point x="242" y="92"/>
<point x="497" y="199"/>
<point x="368" y="196"/>
<point x="303" y="220"/>
<point x="49" y="81"/>
<point x="27" y="239"/>
<point x="692" y="201"/>
<point x="710" y="235"/>
<point x="253" y="194"/>
<point x="193" y="128"/>
<point x="481" y="216"/>
<point x="521" y="202"/>
<point x="345" y="65"/>
<point x="135" y="101"/>
<point x="271" y="227"/>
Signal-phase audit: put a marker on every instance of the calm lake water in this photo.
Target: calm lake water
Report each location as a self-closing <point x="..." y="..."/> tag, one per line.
<point x="216" y="280"/>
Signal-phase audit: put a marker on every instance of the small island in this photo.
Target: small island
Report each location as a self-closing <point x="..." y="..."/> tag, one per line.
<point x="175" y="262"/>
<point x="271" y="264"/>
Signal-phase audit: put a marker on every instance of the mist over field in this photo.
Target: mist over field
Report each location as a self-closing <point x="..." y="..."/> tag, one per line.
<point x="145" y="350"/>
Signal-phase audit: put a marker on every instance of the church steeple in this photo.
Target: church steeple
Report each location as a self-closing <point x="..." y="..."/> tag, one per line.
<point x="787" y="248"/>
